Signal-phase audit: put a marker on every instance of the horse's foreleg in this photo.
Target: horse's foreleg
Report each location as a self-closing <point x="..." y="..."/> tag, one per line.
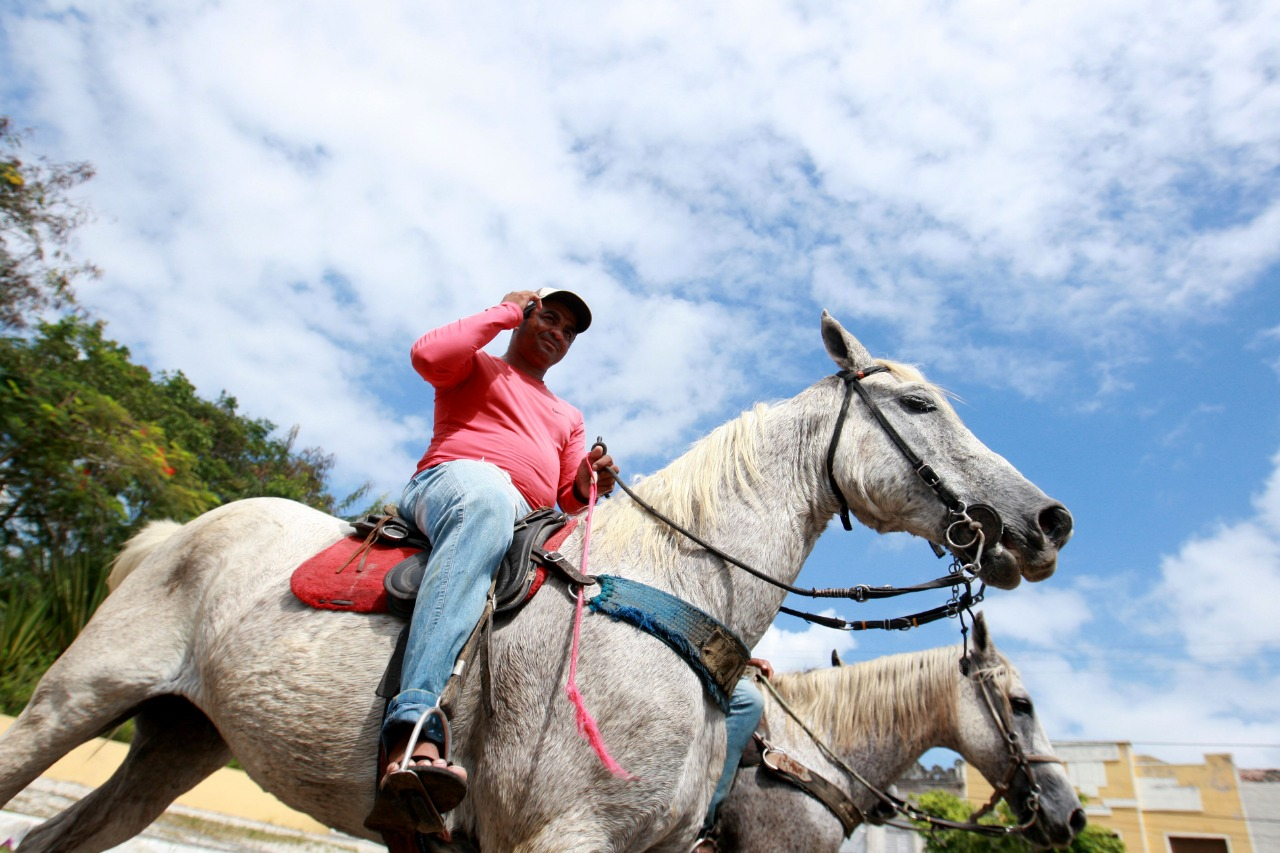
<point x="175" y="747"/>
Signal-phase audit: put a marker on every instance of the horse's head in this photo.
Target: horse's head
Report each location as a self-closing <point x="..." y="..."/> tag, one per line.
<point x="1000" y="735"/>
<point x="966" y="497"/>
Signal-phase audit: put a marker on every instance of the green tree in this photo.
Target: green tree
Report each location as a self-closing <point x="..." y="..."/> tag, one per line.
<point x="91" y="447"/>
<point x="92" y="444"/>
<point x="81" y="461"/>
<point x="1094" y="839"/>
<point x="240" y="457"/>
<point x="37" y="221"/>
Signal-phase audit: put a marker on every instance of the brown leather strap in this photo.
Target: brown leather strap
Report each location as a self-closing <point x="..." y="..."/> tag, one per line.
<point x="837" y="801"/>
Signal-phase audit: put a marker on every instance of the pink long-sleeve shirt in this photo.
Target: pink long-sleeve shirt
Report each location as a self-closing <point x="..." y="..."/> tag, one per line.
<point x="488" y="410"/>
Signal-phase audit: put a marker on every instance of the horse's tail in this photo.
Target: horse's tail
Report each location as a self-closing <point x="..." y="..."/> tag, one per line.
<point x="138" y="549"/>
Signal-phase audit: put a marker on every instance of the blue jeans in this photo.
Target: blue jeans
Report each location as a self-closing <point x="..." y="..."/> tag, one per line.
<point x="468" y="511"/>
<point x="745" y="707"/>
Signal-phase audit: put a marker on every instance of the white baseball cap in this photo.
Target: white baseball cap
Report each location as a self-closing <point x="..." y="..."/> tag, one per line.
<point x="575" y="303"/>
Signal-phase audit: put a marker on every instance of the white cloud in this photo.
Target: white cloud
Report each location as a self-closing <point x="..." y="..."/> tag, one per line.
<point x="1207" y="709"/>
<point x="1038" y="615"/>
<point x="992" y="167"/>
<point x="1194" y="672"/>
<point x="1229" y="581"/>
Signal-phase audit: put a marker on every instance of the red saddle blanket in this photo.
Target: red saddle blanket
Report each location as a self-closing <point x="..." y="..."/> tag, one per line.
<point x="350" y="575"/>
<point x="340" y="578"/>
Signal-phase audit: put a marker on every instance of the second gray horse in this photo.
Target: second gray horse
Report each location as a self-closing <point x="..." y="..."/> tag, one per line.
<point x="878" y="718"/>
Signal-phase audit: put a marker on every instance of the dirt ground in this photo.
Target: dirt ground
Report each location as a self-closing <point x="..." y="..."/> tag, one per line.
<point x="179" y="830"/>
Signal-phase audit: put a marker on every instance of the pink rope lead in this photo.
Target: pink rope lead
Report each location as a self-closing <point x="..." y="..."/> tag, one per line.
<point x="586" y="723"/>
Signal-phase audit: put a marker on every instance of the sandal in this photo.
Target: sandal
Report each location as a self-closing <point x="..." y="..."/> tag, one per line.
<point x="425" y="793"/>
<point x="413" y="797"/>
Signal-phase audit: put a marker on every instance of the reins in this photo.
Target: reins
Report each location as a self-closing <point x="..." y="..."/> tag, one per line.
<point x="861" y="593"/>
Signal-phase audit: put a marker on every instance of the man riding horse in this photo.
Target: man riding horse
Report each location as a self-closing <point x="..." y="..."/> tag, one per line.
<point x="503" y="444"/>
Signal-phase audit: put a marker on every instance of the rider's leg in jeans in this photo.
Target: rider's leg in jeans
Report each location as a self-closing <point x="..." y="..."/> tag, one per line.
<point x="468" y="510"/>
<point x="745" y="707"/>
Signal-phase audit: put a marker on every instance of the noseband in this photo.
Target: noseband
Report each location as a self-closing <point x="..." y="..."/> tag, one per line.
<point x="969" y="528"/>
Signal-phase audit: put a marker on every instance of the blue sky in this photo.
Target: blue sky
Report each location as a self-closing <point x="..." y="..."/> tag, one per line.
<point x="1065" y="213"/>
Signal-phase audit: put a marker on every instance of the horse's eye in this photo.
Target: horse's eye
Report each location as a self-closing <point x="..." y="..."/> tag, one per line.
<point x="1021" y="705"/>
<point x="917" y="403"/>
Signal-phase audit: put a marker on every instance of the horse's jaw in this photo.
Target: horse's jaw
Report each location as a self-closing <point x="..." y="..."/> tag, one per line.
<point x="1003" y="565"/>
<point x="1005" y="568"/>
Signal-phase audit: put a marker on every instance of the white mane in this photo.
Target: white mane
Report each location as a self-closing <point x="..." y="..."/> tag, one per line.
<point x="900" y="697"/>
<point x="689" y="491"/>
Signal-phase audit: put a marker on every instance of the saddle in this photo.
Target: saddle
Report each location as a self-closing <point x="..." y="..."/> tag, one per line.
<point x="520" y="574"/>
<point x="380" y="567"/>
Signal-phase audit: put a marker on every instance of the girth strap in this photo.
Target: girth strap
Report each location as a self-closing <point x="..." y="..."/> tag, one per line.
<point x="712" y="651"/>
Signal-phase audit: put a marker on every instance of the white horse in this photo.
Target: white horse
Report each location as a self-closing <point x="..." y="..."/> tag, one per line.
<point x="205" y="646"/>
<point x="878" y="718"/>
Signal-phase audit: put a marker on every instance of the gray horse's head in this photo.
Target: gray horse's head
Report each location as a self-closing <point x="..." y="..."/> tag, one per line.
<point x="1022" y="528"/>
<point x="1003" y="738"/>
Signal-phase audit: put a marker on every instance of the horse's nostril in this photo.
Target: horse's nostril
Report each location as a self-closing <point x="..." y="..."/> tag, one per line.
<point x="1078" y="821"/>
<point x="1056" y="524"/>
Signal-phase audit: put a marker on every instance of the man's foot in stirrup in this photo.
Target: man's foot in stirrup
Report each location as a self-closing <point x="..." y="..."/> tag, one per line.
<point x="426" y="787"/>
<point x="425" y="754"/>
<point x="413" y="798"/>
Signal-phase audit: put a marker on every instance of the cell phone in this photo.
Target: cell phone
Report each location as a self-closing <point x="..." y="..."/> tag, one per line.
<point x="528" y="309"/>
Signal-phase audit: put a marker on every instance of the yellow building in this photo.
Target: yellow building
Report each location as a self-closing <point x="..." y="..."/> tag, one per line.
<point x="1154" y="807"/>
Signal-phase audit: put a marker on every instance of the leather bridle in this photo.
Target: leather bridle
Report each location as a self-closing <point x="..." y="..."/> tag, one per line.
<point x="969" y="527"/>
<point x="1020" y="761"/>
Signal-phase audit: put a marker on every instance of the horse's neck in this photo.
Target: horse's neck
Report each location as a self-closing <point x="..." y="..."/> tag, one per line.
<point x="772" y="530"/>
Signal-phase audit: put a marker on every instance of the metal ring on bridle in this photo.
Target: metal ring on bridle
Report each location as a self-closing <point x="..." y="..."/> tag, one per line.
<point x="964" y="521"/>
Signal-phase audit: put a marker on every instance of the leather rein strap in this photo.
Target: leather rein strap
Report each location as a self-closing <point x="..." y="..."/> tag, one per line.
<point x="814" y="784"/>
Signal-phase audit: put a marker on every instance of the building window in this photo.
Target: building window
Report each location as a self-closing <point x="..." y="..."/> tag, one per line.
<point x="1198" y="845"/>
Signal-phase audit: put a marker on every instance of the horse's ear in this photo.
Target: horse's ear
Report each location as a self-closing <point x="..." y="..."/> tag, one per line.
<point x="843" y="347"/>
<point x="835" y="658"/>
<point x="981" y="637"/>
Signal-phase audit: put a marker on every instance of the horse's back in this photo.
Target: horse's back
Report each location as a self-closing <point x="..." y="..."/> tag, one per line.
<point x="247" y="544"/>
